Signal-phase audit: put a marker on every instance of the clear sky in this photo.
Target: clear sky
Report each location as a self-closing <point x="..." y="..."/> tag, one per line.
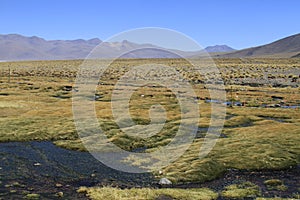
<point x="237" y="23"/>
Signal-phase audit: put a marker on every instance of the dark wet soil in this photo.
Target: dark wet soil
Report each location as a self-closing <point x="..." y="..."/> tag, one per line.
<point x="45" y="169"/>
<point x="202" y="131"/>
<point x="290" y="178"/>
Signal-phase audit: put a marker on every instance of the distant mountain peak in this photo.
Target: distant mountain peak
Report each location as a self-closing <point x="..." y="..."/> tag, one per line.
<point x="94" y="41"/>
<point x="219" y="48"/>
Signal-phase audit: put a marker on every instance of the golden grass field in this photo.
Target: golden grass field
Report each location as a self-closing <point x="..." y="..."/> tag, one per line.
<point x="36" y="104"/>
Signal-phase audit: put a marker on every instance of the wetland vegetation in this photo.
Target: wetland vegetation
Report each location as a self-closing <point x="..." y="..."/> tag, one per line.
<point x="260" y="134"/>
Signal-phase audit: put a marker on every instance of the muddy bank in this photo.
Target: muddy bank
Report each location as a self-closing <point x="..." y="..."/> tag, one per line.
<point x="290" y="177"/>
<point x="43" y="168"/>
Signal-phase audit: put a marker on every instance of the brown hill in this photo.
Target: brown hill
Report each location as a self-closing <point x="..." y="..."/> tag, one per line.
<point x="296" y="56"/>
<point x="286" y="47"/>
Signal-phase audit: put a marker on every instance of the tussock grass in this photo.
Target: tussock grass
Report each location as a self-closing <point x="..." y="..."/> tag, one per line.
<point x="275" y="184"/>
<point x="32" y="196"/>
<point x="147" y="193"/>
<point x="266" y="144"/>
<point x="241" y="191"/>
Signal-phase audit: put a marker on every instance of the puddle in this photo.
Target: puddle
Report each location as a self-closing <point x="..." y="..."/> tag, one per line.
<point x="202" y="131"/>
<point x="39" y="166"/>
<point x="227" y="103"/>
<point x="291" y="107"/>
<point x="139" y="150"/>
<point x="212" y="101"/>
<point x="240" y="104"/>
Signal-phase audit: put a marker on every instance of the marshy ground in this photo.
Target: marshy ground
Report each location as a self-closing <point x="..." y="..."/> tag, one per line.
<point x="257" y="144"/>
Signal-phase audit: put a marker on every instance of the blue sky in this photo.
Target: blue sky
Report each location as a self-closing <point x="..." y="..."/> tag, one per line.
<point x="237" y="23"/>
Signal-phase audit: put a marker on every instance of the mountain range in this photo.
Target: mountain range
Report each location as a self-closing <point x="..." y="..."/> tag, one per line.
<point x="18" y="47"/>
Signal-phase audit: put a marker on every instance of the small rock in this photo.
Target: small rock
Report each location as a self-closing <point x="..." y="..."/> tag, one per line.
<point x="37" y="164"/>
<point x="60" y="194"/>
<point x="164" y="181"/>
<point x="93" y="175"/>
<point x="58" y="185"/>
<point x="160" y="172"/>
